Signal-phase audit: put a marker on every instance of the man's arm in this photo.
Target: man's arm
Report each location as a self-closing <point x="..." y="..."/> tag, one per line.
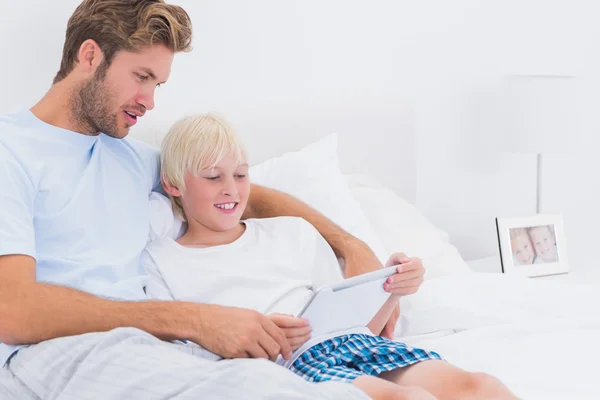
<point x="31" y="312"/>
<point x="265" y="203"/>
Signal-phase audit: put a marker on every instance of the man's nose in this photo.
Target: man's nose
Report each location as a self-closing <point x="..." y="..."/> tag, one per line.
<point x="146" y="99"/>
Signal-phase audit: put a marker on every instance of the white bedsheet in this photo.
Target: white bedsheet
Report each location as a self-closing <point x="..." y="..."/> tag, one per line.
<point x="541" y="338"/>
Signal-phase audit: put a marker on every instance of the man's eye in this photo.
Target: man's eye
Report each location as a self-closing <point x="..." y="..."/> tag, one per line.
<point x="142" y="77"/>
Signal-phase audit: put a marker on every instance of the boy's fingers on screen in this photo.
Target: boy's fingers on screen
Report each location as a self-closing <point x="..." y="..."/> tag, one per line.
<point x="286" y="321"/>
<point x="297" y="342"/>
<point x="405" y="276"/>
<point x="409" y="283"/>
<point x="405" y="290"/>
<point x="295" y="332"/>
<point x="397" y="258"/>
<point x="413" y="264"/>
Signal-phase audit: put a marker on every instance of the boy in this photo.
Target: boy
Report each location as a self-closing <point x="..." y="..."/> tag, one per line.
<point x="269" y="265"/>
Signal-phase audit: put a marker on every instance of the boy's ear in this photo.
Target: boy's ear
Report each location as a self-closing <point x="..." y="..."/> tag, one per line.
<point x="172" y="190"/>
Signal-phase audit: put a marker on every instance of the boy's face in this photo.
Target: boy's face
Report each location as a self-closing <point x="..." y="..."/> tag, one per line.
<point x="217" y="197"/>
<point x="522" y="249"/>
<point x="544" y="243"/>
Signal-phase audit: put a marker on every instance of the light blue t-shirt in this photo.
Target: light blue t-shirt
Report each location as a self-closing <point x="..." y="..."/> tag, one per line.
<point x="78" y="204"/>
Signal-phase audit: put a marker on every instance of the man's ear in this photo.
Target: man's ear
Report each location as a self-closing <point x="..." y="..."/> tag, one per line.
<point x="90" y="56"/>
<point x="172" y="190"/>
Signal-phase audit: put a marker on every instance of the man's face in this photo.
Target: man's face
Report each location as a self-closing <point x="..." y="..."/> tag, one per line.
<point x="116" y="96"/>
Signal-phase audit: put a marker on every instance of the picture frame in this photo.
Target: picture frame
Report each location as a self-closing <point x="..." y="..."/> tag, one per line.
<point x="533" y="246"/>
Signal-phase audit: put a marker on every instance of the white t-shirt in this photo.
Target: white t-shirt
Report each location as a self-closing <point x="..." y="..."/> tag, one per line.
<point x="271" y="268"/>
<point x="77" y="204"/>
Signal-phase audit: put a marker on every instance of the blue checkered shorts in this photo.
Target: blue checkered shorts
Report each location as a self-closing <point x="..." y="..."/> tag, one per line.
<point x="345" y="358"/>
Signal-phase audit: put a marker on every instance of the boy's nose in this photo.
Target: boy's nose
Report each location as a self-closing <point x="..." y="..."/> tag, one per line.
<point x="229" y="188"/>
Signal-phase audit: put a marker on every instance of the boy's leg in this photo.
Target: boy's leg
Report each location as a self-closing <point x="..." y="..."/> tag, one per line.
<point x="380" y="389"/>
<point x="128" y="363"/>
<point x="446" y="381"/>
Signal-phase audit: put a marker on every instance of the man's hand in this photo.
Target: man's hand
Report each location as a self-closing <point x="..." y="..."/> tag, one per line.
<point x="233" y="332"/>
<point x="409" y="276"/>
<point x="296" y="330"/>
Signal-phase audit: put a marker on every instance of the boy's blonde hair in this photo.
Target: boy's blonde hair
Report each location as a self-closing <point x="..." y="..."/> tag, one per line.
<point x="193" y="144"/>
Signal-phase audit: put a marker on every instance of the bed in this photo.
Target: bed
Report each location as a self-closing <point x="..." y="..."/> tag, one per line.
<point x="539" y="337"/>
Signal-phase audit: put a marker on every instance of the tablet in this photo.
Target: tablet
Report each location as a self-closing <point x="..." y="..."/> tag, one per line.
<point x="349" y="304"/>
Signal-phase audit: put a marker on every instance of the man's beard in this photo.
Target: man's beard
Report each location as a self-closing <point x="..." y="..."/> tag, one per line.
<point x="91" y="108"/>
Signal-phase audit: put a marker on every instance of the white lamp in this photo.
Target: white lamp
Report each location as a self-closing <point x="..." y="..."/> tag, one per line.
<point x="540" y="116"/>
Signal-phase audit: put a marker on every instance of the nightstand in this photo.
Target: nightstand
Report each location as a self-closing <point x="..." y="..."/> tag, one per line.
<point x="492" y="265"/>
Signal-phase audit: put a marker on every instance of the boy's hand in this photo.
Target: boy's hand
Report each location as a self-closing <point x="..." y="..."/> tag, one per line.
<point x="409" y="276"/>
<point x="407" y="281"/>
<point x="296" y="330"/>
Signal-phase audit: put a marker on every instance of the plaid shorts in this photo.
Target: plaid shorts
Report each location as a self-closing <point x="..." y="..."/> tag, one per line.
<point x="345" y="358"/>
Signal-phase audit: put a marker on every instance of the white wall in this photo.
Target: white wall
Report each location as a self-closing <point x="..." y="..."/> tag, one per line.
<point x="464" y="179"/>
<point x="409" y="86"/>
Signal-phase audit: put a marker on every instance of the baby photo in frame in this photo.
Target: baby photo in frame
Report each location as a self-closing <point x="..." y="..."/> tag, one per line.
<point x="533" y="246"/>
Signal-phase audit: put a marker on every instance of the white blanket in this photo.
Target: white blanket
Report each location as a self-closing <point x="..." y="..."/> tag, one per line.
<point x="540" y="338"/>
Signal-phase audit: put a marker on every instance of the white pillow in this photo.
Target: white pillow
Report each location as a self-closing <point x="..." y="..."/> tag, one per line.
<point x="402" y="227"/>
<point x="163" y="221"/>
<point x="312" y="175"/>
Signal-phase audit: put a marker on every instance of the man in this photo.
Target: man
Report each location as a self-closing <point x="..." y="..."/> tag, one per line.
<point x="74" y="219"/>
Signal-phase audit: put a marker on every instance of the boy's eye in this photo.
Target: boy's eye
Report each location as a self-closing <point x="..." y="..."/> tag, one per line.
<point x="240" y="176"/>
<point x="212" y="178"/>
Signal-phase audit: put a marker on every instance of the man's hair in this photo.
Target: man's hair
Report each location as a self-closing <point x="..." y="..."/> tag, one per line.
<point x="130" y="25"/>
<point x="193" y="144"/>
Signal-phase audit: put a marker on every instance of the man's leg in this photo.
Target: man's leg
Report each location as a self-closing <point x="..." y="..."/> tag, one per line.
<point x="128" y="363"/>
<point x="446" y="381"/>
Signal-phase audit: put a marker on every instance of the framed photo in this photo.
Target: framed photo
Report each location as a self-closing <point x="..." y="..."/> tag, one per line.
<point x="533" y="246"/>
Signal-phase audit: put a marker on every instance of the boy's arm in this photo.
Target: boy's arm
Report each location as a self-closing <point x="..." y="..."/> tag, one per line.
<point x="31" y="312"/>
<point x="358" y="257"/>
